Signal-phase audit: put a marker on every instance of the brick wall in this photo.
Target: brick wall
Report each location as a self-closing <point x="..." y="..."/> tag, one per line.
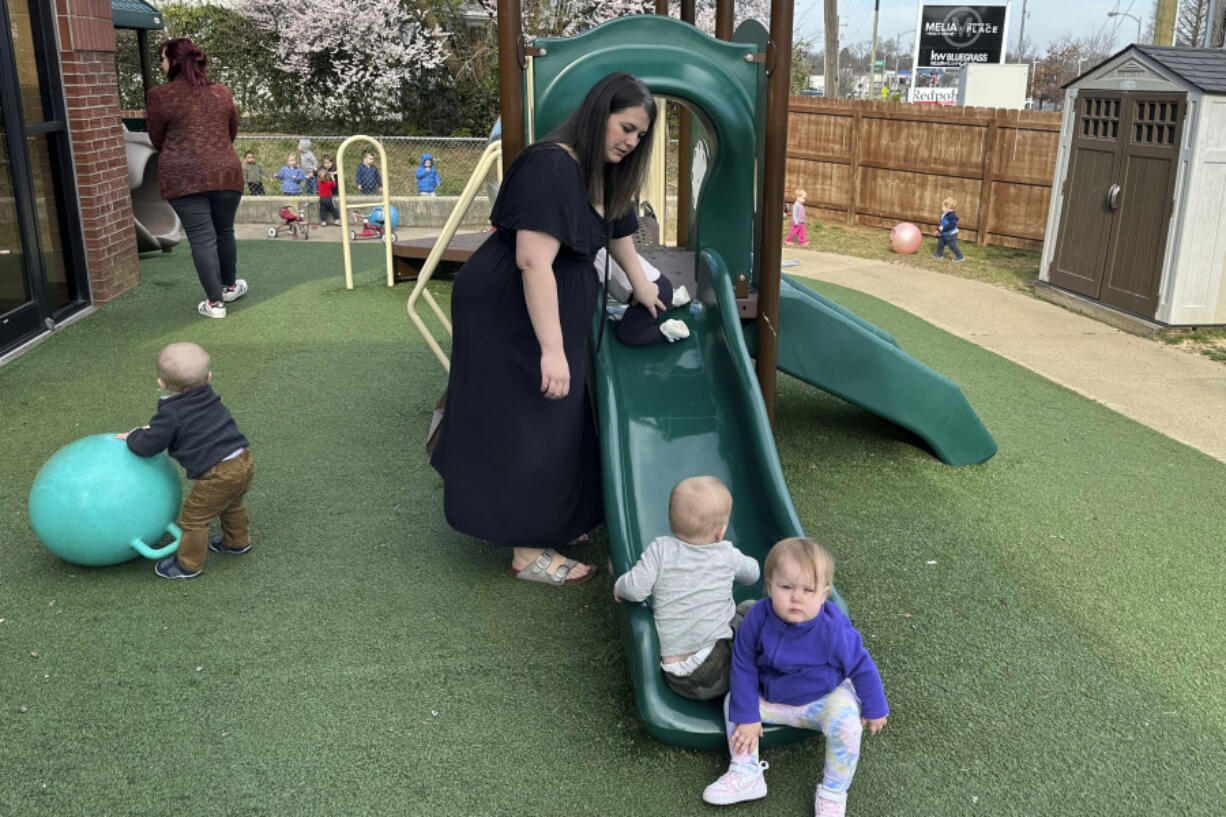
<point x="87" y="43"/>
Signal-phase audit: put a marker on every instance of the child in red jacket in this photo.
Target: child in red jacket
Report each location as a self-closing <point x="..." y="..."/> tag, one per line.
<point x="327" y="190"/>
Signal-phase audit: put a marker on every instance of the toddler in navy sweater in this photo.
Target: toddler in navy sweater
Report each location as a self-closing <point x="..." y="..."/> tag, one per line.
<point x="201" y="434"/>
<point x="798" y="661"/>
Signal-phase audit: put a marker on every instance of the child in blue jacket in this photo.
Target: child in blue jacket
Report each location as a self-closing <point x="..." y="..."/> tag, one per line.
<point x="427" y="176"/>
<point x="798" y="661"/>
<point x="291" y="176"/>
<point x="368" y="178"/>
<point x="947" y="233"/>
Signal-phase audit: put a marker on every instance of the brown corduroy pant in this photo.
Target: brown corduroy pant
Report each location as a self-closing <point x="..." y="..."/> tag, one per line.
<point x="216" y="494"/>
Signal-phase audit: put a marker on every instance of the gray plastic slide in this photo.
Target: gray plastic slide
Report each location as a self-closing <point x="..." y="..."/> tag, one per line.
<point x="157" y="225"/>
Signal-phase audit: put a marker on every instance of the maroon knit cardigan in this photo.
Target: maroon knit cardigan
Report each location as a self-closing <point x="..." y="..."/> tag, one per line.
<point x="194" y="129"/>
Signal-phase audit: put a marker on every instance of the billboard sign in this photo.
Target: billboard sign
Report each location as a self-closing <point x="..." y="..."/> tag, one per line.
<point x="954" y="36"/>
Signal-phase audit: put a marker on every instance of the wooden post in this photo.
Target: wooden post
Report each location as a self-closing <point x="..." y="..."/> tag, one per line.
<point x="853" y="164"/>
<point x="511" y="80"/>
<point x="987" y="179"/>
<point x="683" y="152"/>
<point x="778" y="88"/>
<point x="723" y="20"/>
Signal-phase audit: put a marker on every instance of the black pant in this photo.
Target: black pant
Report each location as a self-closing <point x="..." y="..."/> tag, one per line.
<point x="637" y="327"/>
<point x="328" y="205"/>
<point x="255" y="188"/>
<point x="208" y="219"/>
<point x="950" y="241"/>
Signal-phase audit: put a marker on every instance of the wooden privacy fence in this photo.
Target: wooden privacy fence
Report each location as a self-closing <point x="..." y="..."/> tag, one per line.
<point x="878" y="163"/>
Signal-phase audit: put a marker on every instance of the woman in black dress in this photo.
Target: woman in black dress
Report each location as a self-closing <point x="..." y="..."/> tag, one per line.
<point x="517" y="449"/>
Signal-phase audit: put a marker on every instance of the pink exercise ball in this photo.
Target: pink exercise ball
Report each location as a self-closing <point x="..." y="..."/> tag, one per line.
<point x="906" y="238"/>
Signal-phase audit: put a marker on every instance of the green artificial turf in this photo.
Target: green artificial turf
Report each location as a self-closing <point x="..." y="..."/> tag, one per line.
<point x="1049" y="625"/>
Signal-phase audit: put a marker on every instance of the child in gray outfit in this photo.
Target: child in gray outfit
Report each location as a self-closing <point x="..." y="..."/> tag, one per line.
<point x="689" y="578"/>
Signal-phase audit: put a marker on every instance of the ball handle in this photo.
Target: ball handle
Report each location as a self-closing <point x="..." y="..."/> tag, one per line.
<point x="144" y="550"/>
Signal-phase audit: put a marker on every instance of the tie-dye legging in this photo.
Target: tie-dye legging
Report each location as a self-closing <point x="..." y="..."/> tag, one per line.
<point x="837" y="716"/>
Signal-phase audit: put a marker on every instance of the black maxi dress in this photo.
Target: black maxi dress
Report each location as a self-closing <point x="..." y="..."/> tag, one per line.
<point x="520" y="470"/>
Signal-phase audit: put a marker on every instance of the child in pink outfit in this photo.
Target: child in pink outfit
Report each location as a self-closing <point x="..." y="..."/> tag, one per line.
<point x="798" y="219"/>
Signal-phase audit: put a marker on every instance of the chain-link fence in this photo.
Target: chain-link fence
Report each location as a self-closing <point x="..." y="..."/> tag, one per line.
<point x="454" y="159"/>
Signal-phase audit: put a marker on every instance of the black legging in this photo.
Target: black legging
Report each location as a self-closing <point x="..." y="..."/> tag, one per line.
<point x="637" y="327"/>
<point x="208" y="220"/>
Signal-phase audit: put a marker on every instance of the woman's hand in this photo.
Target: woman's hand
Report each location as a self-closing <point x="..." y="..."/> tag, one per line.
<point x="647" y="293"/>
<point x="745" y="738"/>
<point x="555" y="375"/>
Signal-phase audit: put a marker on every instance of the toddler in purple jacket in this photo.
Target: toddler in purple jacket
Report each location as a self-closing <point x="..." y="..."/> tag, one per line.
<point x="798" y="661"/>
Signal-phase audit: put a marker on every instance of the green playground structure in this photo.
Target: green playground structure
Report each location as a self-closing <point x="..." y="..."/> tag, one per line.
<point x="695" y="407"/>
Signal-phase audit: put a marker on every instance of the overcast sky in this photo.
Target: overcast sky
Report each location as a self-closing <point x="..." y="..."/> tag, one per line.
<point x="1046" y="20"/>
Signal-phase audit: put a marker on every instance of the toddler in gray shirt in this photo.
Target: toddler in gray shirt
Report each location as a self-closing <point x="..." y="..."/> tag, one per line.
<point x="689" y="578"/>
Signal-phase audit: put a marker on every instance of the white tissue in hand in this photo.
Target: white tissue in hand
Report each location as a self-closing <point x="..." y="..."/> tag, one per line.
<point x="681" y="296"/>
<point x="674" y="330"/>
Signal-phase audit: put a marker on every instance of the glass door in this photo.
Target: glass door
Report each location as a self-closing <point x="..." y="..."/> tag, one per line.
<point x="42" y="269"/>
<point x="18" y="309"/>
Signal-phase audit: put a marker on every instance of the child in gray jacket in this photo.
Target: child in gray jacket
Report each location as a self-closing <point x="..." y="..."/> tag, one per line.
<point x="689" y="578"/>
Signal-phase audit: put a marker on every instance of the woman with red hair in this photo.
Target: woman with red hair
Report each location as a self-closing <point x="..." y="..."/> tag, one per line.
<point x="193" y="124"/>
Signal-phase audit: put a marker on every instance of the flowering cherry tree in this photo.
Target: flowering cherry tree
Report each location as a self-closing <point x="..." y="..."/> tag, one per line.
<point x="352" y="57"/>
<point x="564" y="18"/>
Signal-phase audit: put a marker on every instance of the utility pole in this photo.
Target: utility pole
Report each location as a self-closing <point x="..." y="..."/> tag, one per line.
<point x="1021" y="33"/>
<point x="832" y="49"/>
<point x="1209" y="39"/>
<point x="872" y="64"/>
<point x="1164" y="22"/>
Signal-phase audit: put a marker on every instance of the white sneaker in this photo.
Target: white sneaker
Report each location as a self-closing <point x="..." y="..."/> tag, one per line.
<point x="829" y="804"/>
<point x="233" y="294"/>
<point x="674" y="330"/>
<point x="681" y="296"/>
<point x="209" y="310"/>
<point x="742" y="781"/>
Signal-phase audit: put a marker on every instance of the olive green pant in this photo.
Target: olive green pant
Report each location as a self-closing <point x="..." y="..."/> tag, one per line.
<point x="710" y="679"/>
<point x="216" y="494"/>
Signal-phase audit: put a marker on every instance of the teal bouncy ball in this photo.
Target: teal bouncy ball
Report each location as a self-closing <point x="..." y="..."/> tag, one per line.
<point x="96" y="503"/>
<point x="376" y="217"/>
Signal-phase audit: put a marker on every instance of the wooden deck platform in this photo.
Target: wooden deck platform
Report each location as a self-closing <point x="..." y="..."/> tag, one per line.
<point x="408" y="257"/>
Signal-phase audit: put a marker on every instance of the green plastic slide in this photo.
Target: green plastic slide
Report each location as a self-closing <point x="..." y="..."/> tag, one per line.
<point x="671" y="411"/>
<point x="830" y="348"/>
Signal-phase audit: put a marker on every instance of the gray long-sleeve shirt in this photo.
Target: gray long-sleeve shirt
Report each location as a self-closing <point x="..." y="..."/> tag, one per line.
<point x="690" y="588"/>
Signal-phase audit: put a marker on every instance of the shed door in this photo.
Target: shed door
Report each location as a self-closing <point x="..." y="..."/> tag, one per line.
<point x="1118" y="197"/>
<point x="1147" y="180"/>
<point x="1086" y="219"/>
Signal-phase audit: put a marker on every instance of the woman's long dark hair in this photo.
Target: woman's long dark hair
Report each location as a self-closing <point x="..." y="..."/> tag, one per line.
<point x="584" y="130"/>
<point x="186" y="60"/>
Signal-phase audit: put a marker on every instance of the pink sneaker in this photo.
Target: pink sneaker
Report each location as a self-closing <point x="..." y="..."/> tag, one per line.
<point x="742" y="781"/>
<point x="829" y="804"/>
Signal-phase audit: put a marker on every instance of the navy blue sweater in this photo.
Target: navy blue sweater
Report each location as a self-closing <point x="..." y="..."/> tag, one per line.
<point x="195" y="426"/>
<point x="949" y="223"/>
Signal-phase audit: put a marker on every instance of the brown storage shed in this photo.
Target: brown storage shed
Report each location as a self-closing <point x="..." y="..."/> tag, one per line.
<point x="1139" y="191"/>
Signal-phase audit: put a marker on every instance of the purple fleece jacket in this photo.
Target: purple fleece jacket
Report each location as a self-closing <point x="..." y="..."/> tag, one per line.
<point x="794" y="664"/>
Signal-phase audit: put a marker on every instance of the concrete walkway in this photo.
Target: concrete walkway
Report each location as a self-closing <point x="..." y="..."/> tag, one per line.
<point x="1177" y="393"/>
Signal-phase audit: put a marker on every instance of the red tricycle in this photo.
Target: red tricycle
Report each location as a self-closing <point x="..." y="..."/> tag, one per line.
<point x="296" y="221"/>
<point x="369" y="228"/>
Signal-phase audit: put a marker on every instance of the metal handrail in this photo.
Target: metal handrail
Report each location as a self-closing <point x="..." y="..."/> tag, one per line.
<point x="491" y="156"/>
<point x="345" y="208"/>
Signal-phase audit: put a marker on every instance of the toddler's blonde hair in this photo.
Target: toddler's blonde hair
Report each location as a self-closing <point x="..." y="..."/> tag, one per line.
<point x="183" y="366"/>
<point x="698" y="508"/>
<point x="800" y="193"/>
<point x="950" y="202"/>
<point x="806" y="553"/>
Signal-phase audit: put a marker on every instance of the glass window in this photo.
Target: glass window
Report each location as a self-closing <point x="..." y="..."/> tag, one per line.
<point x="61" y="289"/>
<point x="25" y="50"/>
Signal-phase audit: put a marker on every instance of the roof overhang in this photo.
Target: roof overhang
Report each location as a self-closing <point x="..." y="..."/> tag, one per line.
<point x="136" y="14"/>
